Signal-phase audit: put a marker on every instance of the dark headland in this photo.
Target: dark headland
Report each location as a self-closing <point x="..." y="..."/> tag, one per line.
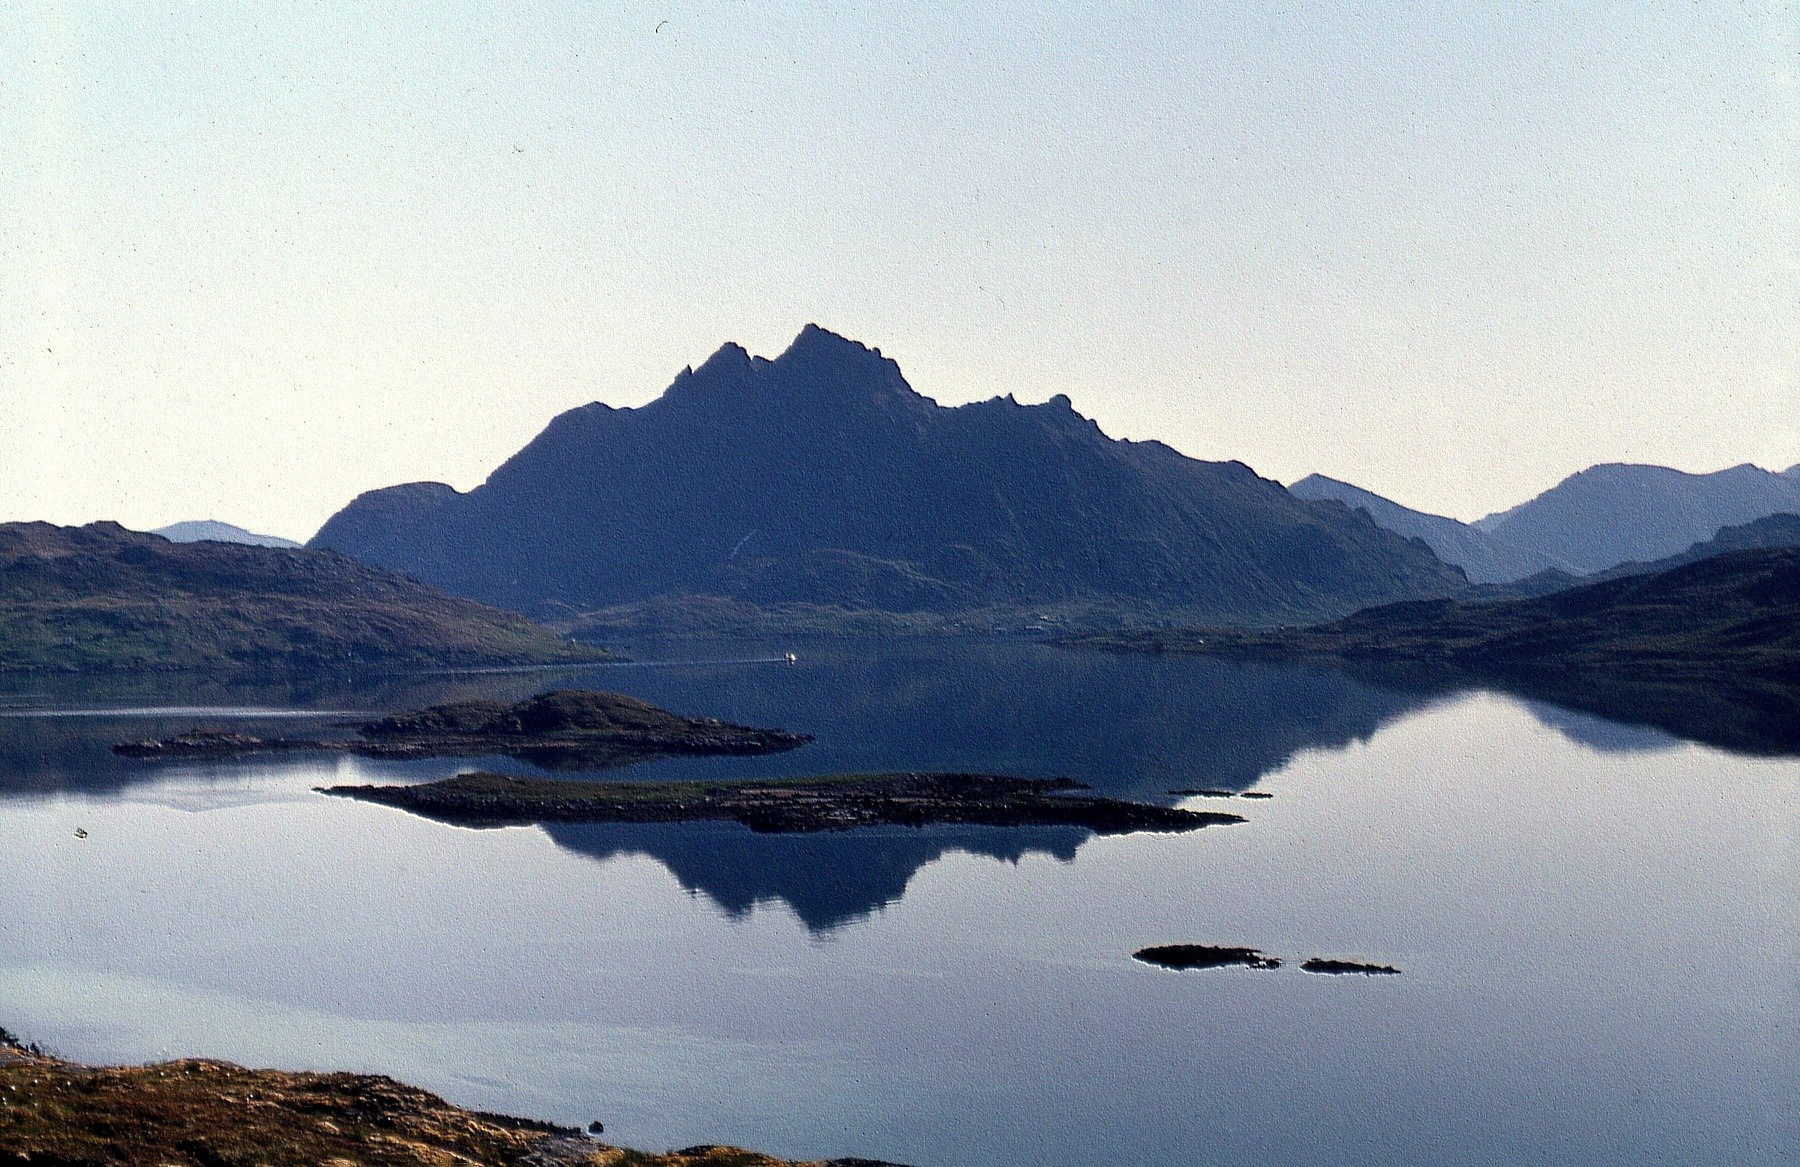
<point x="1731" y="616"/>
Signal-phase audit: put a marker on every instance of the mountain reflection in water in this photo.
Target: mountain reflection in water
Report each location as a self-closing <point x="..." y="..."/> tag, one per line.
<point x="1138" y="727"/>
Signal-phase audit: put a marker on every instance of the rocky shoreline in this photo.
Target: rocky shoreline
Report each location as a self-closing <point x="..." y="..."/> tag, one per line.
<point x="828" y="803"/>
<point x="198" y="1112"/>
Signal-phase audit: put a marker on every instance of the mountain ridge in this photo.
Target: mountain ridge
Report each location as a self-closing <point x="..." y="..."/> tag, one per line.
<point x="1620" y="512"/>
<point x="1484" y="557"/>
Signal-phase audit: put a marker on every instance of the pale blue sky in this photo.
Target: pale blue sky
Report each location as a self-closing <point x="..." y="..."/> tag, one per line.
<point x="257" y="258"/>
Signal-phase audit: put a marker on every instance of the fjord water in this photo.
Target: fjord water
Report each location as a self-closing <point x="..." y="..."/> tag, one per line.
<point x="1595" y="921"/>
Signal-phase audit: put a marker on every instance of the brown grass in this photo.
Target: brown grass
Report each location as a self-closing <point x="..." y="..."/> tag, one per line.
<point x="200" y="1113"/>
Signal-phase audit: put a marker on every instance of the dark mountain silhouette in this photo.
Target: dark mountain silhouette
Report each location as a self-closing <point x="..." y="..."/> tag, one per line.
<point x="199" y="529"/>
<point x="102" y="597"/>
<point x="1618" y="513"/>
<point x="1484" y="557"/>
<point x="821" y="477"/>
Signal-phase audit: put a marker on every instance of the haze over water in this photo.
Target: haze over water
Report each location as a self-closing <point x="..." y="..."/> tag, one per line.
<point x="1594" y="921"/>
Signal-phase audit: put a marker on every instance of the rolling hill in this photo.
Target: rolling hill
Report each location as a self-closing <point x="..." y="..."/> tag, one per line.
<point x="103" y="597"/>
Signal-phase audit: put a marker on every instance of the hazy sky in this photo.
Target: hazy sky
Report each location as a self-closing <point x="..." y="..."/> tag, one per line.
<point x="258" y="258"/>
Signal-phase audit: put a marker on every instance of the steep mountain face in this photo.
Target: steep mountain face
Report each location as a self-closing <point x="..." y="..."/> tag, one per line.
<point x="198" y="530"/>
<point x="1484" y="557"/>
<point x="102" y="597"/>
<point x="1618" y="513"/>
<point x="821" y="477"/>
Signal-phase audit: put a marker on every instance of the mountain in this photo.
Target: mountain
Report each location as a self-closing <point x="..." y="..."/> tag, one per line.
<point x="102" y="597"/>
<point x="199" y="529"/>
<point x="1781" y="530"/>
<point x="822" y="477"/>
<point x="1778" y="530"/>
<point x="1734" y="615"/>
<point x="1617" y="513"/>
<point x="1484" y="557"/>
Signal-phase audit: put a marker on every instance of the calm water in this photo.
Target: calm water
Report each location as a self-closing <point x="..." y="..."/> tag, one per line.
<point x="1596" y="922"/>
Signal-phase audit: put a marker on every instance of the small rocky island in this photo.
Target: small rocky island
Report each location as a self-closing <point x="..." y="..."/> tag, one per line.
<point x="1186" y="956"/>
<point x="566" y="728"/>
<point x="830" y="803"/>
<point x="1334" y="967"/>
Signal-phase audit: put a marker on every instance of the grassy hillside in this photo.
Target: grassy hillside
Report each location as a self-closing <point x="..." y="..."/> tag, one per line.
<point x="102" y="597"/>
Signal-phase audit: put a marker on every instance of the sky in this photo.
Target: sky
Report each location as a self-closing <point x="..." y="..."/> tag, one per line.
<point x="256" y="259"/>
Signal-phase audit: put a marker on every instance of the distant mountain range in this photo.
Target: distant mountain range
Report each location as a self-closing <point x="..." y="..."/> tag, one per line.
<point x="823" y="478"/>
<point x="1617" y="513"/>
<point x="198" y="530"/>
<point x="102" y="597"/>
<point x="1590" y="522"/>
<point x="1781" y="530"/>
<point x="1485" y="557"/>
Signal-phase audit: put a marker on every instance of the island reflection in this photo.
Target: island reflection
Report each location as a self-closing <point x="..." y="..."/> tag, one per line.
<point x="1131" y="727"/>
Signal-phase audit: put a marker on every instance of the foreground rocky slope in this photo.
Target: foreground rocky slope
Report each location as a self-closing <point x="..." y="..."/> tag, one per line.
<point x="102" y="597"/>
<point x="822" y="478"/>
<point x="202" y="1113"/>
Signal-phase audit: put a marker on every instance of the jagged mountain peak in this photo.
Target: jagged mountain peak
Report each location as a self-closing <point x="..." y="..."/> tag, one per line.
<point x="819" y="370"/>
<point x="823" y="477"/>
